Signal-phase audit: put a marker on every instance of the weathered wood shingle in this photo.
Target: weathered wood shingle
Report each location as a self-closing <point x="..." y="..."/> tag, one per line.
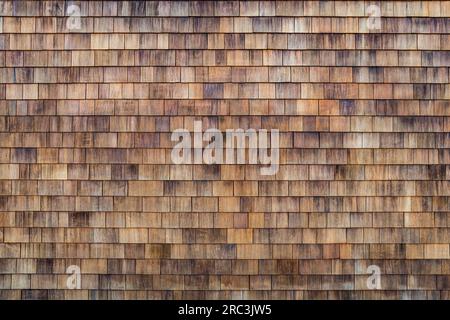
<point x="86" y="176"/>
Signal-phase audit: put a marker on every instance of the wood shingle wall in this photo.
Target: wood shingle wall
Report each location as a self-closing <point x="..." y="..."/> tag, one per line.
<point x="86" y="176"/>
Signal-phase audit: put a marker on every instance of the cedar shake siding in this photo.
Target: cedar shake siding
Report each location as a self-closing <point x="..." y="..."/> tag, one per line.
<point x="91" y="91"/>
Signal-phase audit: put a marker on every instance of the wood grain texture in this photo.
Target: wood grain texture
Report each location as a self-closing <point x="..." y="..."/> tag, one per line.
<point x="86" y="176"/>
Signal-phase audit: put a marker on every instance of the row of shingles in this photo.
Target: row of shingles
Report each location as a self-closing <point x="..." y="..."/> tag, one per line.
<point x="225" y="282"/>
<point x="204" y="41"/>
<point x="226" y="204"/>
<point x="225" y="58"/>
<point x="426" y="253"/>
<point x="223" y="294"/>
<point x="46" y="225"/>
<point x="425" y="163"/>
<point x="233" y="91"/>
<point x="227" y="74"/>
<point x="316" y="184"/>
<point x="227" y="8"/>
<point x="328" y="170"/>
<point x="433" y="242"/>
<point x="309" y="264"/>
<point x="302" y="114"/>
<point x="213" y="25"/>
